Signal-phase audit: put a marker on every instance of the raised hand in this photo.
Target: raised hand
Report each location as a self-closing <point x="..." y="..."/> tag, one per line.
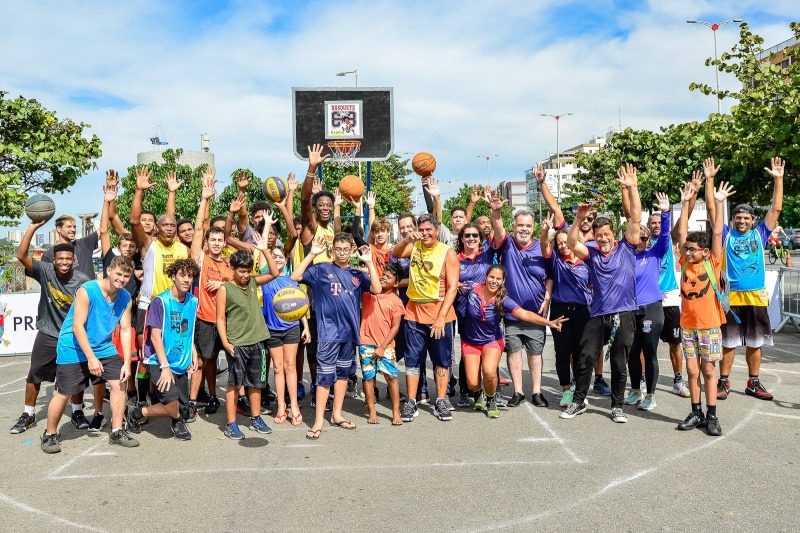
<point x="778" y="166"/>
<point x="209" y="185"/>
<point x="143" y="179"/>
<point x="269" y="221"/>
<point x="539" y="173"/>
<point x="238" y="203"/>
<point x="370" y="199"/>
<point x="337" y="197"/>
<point x="413" y="236"/>
<point x="172" y="181"/>
<point x="242" y="181"/>
<point x="109" y="193"/>
<point x="547" y="222"/>
<point x="724" y="192"/>
<point x="583" y="211"/>
<point x="318" y="246"/>
<point x="365" y="254"/>
<point x="626" y="176"/>
<point x="316" y="186"/>
<point x="688" y="191"/>
<point x="260" y="242"/>
<point x="662" y="202"/>
<point x="433" y="186"/>
<point x="709" y="170"/>
<point x="112" y="178"/>
<point x="475" y="195"/>
<point x="291" y="183"/>
<point x="495" y="201"/>
<point x="315" y="157"/>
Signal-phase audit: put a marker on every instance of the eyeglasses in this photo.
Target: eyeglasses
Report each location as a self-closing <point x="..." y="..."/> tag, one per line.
<point x="472" y="236"/>
<point x="589" y="219"/>
<point x="691" y="250"/>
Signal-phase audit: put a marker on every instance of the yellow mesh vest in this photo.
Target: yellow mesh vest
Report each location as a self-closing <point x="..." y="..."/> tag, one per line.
<point x="425" y="271"/>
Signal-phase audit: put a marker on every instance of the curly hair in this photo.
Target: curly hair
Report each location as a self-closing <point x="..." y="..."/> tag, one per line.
<point x="187" y="266"/>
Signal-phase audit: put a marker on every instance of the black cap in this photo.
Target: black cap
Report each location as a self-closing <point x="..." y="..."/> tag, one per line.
<point x="744" y="208"/>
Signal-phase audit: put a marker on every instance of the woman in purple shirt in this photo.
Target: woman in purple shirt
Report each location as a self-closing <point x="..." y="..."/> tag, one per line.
<point x="650" y="316"/>
<point x="480" y="312"/>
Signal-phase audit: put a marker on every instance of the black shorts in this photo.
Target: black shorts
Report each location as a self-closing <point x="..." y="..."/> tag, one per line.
<point x="177" y="391"/>
<point x="139" y="322"/>
<point x="207" y="339"/>
<point x="671" y="332"/>
<point x="73" y="378"/>
<point x="248" y="366"/>
<point x="43" y="359"/>
<point x="278" y="338"/>
<point x="754" y="331"/>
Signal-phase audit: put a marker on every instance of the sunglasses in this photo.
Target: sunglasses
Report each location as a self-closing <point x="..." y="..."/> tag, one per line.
<point x="472" y="236"/>
<point x="589" y="219"/>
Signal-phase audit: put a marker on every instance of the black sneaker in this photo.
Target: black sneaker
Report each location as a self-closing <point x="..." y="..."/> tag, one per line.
<point x="191" y="414"/>
<point x="409" y="411"/>
<point x="694" y="420"/>
<point x="120" y="437"/>
<point x="203" y="397"/>
<point x="539" y="400"/>
<point x="574" y="410"/>
<point x="97" y="423"/>
<point x="517" y="399"/>
<point x="271" y="396"/>
<point x="212" y="406"/>
<point x="712" y="426"/>
<point x="24" y="422"/>
<point x="352" y="386"/>
<point x="329" y="404"/>
<point x="51" y="443"/>
<point x="79" y="420"/>
<point x="243" y="406"/>
<point x="180" y="430"/>
<point x="131" y="423"/>
<point x="441" y="411"/>
<point x="265" y="405"/>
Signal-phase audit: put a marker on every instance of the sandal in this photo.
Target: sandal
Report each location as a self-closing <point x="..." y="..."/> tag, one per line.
<point x="344" y="424"/>
<point x="313" y="434"/>
<point x="280" y="419"/>
<point x="296" y="420"/>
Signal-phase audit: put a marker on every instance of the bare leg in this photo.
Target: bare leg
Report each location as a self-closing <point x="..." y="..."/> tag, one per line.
<point x="490" y="358"/>
<point x="693" y="372"/>
<point x="254" y="395"/>
<point x="99" y="392"/>
<point x="196" y="380"/>
<point x="231" y="395"/>
<point x="322" y="397"/>
<point x="339" y="391"/>
<point x="277" y="356"/>
<point x="753" y="356"/>
<point x="412" y="383"/>
<point x="55" y="410"/>
<point x="117" y="404"/>
<point x="514" y="361"/>
<point x="535" y="366"/>
<point x="172" y="410"/>
<point x="369" y="398"/>
<point x="442" y="378"/>
<point x="472" y="367"/>
<point x="394" y="394"/>
<point x="726" y="365"/>
<point x="290" y="375"/>
<point x="676" y="358"/>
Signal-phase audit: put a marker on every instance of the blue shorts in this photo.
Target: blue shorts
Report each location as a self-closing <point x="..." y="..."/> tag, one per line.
<point x="419" y="343"/>
<point x="371" y="365"/>
<point x="335" y="360"/>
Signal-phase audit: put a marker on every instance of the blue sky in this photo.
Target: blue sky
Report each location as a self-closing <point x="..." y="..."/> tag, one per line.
<point x="469" y="78"/>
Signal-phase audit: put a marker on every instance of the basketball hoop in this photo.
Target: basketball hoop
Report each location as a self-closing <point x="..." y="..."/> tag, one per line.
<point x="344" y="152"/>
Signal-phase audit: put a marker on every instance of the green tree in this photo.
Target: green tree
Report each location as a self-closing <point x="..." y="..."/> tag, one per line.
<point x="461" y="199"/>
<point x="38" y="152"/>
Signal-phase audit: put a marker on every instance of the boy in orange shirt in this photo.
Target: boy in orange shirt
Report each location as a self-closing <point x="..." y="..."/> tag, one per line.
<point x="702" y="314"/>
<point x="380" y="322"/>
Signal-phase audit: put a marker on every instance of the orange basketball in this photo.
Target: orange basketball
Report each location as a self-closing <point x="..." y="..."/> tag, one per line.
<point x="351" y="187"/>
<point x="424" y="164"/>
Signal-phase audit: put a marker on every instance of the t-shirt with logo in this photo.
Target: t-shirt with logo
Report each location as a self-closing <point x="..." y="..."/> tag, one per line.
<point x="56" y="295"/>
<point x="176" y="321"/>
<point x="480" y="322"/>
<point x="526" y="273"/>
<point x="613" y="279"/>
<point x="570" y="280"/>
<point x="378" y="312"/>
<point x="700" y="307"/>
<point x="743" y="261"/>
<point x="337" y="298"/>
<point x="210" y="270"/>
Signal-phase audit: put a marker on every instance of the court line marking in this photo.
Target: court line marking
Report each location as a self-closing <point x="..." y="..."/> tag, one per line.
<point x="778" y="415"/>
<point x="11" y="392"/>
<point x="8" y="500"/>
<point x="763" y="369"/>
<point x="12" y="364"/>
<point x="12" y="382"/>
<point x="537" y="439"/>
<point x="780" y="350"/>
<point x="554" y="435"/>
<point x="56" y="471"/>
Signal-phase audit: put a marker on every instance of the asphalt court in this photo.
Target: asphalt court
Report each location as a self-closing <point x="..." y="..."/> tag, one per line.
<point x="526" y="469"/>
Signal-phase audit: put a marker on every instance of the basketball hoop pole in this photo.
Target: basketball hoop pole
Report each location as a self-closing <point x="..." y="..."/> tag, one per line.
<point x="369" y="188"/>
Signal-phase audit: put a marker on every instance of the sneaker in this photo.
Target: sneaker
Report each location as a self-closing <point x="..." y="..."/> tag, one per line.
<point x="441" y="411"/>
<point x="267" y="392"/>
<point x="79" y="420"/>
<point x="120" y="437"/>
<point x="301" y="391"/>
<point x="212" y="406"/>
<point x="265" y="406"/>
<point x="449" y="405"/>
<point x="191" y="412"/>
<point x="423" y="399"/>
<point x="329" y="404"/>
<point x="131" y="423"/>
<point x="480" y="402"/>
<point x="601" y="387"/>
<point x="500" y="400"/>
<point x="723" y="388"/>
<point x="574" y="409"/>
<point x="643" y="386"/>
<point x="694" y="420"/>
<point x="51" y="443"/>
<point x="539" y="400"/>
<point x="757" y="390"/>
<point x="634" y="397"/>
<point x="98" y="423"/>
<point x="712" y="426"/>
<point x="352" y="385"/>
<point x="243" y="406"/>
<point x="180" y="431"/>
<point x="203" y="397"/>
<point x="681" y="389"/>
<point x="649" y="402"/>
<point x="233" y="432"/>
<point x="618" y="415"/>
<point x="24" y="422"/>
<point x="516" y="399"/>
<point x="409" y="411"/>
<point x="463" y="400"/>
<point x="491" y="409"/>
<point x="566" y="398"/>
<point x="257" y="424"/>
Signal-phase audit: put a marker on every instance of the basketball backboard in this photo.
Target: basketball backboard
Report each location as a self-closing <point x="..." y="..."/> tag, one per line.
<point x="362" y="114"/>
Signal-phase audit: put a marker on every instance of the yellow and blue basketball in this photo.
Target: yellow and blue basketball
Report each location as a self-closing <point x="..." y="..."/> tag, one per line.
<point x="275" y="189"/>
<point x="40" y="207"/>
<point x="290" y="304"/>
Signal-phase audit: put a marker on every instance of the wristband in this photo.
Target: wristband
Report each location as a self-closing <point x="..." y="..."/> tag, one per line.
<point x="163" y="365"/>
<point x="311" y="174"/>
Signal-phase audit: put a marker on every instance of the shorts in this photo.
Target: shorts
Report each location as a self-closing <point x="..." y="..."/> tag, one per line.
<point x="477" y="349"/>
<point x="248" y="366"/>
<point x="43" y="359"/>
<point x="177" y="391"/>
<point x="207" y="340"/>
<point x="387" y="365"/>
<point x="335" y="361"/>
<point x="139" y="322"/>
<point x="671" y="331"/>
<point x="278" y="338"/>
<point x="419" y="343"/>
<point x="753" y="332"/>
<point x="521" y="335"/>
<point x="703" y="343"/>
<point x="73" y="378"/>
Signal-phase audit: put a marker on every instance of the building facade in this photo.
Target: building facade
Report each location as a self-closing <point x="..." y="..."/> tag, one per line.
<point x="515" y="193"/>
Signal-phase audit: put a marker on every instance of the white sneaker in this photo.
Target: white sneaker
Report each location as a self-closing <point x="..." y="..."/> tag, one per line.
<point x="618" y="415"/>
<point x="681" y="389"/>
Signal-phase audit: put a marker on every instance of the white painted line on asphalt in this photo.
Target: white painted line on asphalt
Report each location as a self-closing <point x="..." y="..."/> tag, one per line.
<point x="303" y="445"/>
<point x="778" y="415"/>
<point x="553" y="434"/>
<point x="781" y="350"/>
<point x="8" y="500"/>
<point x="535" y="439"/>
<point x="12" y="364"/>
<point x="12" y="382"/>
<point x="55" y="472"/>
<point x="11" y="391"/>
<point x="100" y="454"/>
<point x="764" y="369"/>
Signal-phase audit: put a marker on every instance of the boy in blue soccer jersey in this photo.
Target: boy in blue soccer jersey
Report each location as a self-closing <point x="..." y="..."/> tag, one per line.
<point x="169" y="352"/>
<point x="337" y="289"/>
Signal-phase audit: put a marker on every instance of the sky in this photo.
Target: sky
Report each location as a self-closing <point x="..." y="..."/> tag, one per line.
<point x="470" y="79"/>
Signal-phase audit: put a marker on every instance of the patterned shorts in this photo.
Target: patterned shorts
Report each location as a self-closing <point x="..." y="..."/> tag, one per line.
<point x="385" y="364"/>
<point x="705" y="343"/>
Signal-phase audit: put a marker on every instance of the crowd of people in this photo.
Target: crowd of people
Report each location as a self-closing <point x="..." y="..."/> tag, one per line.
<point x="174" y="294"/>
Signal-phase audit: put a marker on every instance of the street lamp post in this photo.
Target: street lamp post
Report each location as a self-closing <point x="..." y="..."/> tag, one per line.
<point x="487" y="157"/>
<point x="354" y="72"/>
<point x="558" y="154"/>
<point x="714" y="27"/>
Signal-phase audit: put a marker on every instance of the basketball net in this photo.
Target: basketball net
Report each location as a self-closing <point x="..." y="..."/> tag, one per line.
<point x="344" y="152"/>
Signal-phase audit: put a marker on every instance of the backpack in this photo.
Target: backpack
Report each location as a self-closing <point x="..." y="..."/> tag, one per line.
<point x="722" y="290"/>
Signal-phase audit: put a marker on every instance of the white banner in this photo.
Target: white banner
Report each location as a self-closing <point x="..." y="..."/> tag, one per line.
<point x="18" y="313"/>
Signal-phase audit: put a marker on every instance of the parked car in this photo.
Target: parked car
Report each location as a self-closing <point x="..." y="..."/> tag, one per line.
<point x="794" y="238"/>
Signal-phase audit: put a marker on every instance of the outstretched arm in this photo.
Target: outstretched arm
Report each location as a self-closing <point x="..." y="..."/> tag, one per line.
<point x="496" y="203"/>
<point x="709" y="170"/>
<point x="725" y="190"/>
<point x="775" y="208"/>
<point x="550" y="200"/>
<point x="474" y="197"/>
<point x="143" y="183"/>
<point x="242" y="182"/>
<point x="547" y="248"/>
<point x="316" y="248"/>
<point x="25" y="244"/>
<point x="574" y="236"/>
<point x="436" y="194"/>
<point x="285" y="208"/>
<point x="697" y="180"/>
<point x="209" y="183"/>
<point x="626" y="176"/>
<point x="315" y="158"/>
<point x="406" y="245"/>
<point x="109" y="194"/>
<point x="172" y="186"/>
<point x="687" y="193"/>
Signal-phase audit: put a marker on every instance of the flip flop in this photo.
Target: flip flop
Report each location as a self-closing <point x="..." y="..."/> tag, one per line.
<point x="313" y="434"/>
<point x="344" y="424"/>
<point x="296" y="420"/>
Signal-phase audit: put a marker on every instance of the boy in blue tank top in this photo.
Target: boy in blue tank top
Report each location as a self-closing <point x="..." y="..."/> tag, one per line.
<point x="86" y="354"/>
<point x="169" y="352"/>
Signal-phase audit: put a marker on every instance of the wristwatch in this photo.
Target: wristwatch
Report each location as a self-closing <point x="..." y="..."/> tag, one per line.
<point x="163" y="365"/>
